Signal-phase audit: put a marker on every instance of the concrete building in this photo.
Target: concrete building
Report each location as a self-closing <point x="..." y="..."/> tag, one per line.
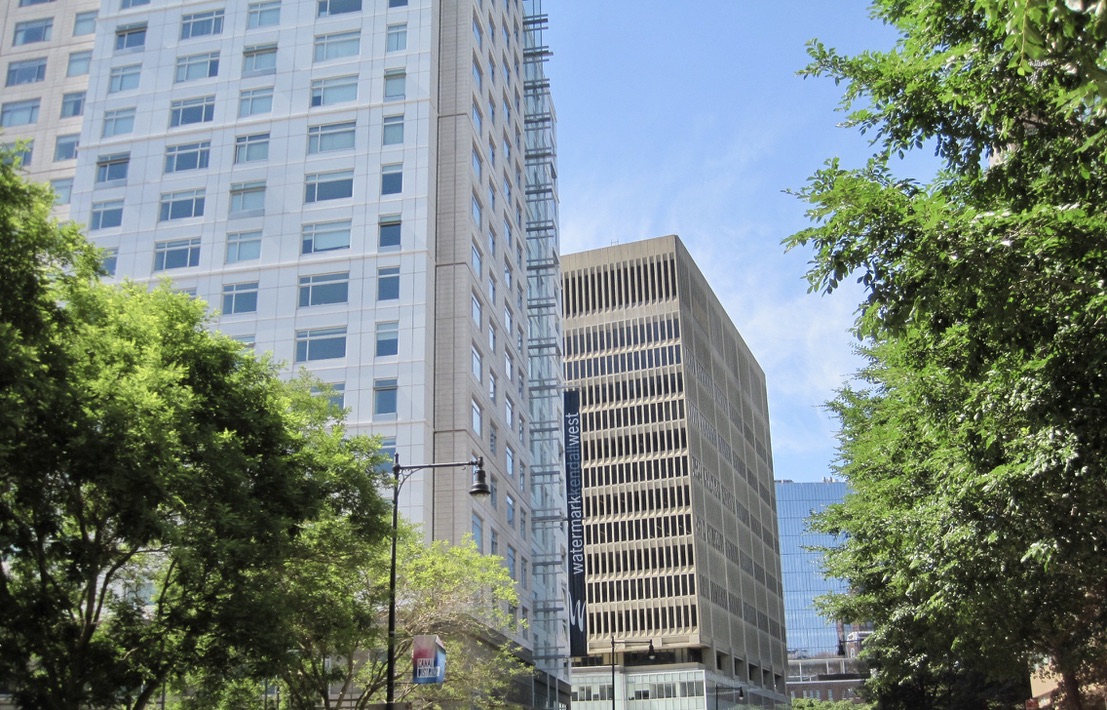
<point x="683" y="568"/>
<point x="363" y="188"/>
<point x="822" y="654"/>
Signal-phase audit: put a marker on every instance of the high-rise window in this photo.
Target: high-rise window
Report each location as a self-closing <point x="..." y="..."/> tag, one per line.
<point x="29" y="71"/>
<point x="248" y="198"/>
<point x="332" y="136"/>
<point x="201" y="24"/>
<point x="33" y="31"/>
<point x="251" y="148"/>
<point x="243" y="246"/>
<point x="84" y="23"/>
<point x="337" y="45"/>
<point x="326" y="8"/>
<point x="124" y="78"/>
<point x="326" y="236"/>
<point x="65" y="147"/>
<point x="240" y="298"/>
<point x="110" y="261"/>
<point x="385" y="397"/>
<point x="176" y="254"/>
<point x="477" y="528"/>
<point x="187" y="156"/>
<point x="259" y="59"/>
<point x="106" y="214"/>
<point x="112" y="168"/>
<point x="319" y="187"/>
<point x="397" y="3"/>
<point x="388" y="232"/>
<point x="118" y="122"/>
<point x="255" y="101"/>
<point x="321" y="289"/>
<point x="392" y="179"/>
<point x="388" y="283"/>
<point x="63" y="190"/>
<point x="130" y="37"/>
<point x="396" y="38"/>
<point x="263" y="14"/>
<point x="128" y="4"/>
<point x="19" y="113"/>
<point x="393" y="130"/>
<point x="395" y="81"/>
<point x="388" y="339"/>
<point x="181" y="205"/>
<point x="334" y="90"/>
<point x="18" y="153"/>
<point x="476" y="364"/>
<point x="197" y="66"/>
<point x="73" y="104"/>
<point x="186" y="111"/>
<point x="78" y="64"/>
<point x="320" y="344"/>
<point x="477" y="418"/>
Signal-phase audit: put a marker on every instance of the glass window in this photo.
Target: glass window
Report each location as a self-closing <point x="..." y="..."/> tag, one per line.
<point x="478" y="261"/>
<point x="385" y="396"/>
<point x="263" y="14"/>
<point x="18" y="154"/>
<point x="202" y="24"/>
<point x="248" y="198"/>
<point x="124" y="78"/>
<point x="325" y="236"/>
<point x="84" y="23"/>
<point x="110" y="261"/>
<point x="333" y="136"/>
<point x="78" y="63"/>
<point x="176" y="254"/>
<point x="492" y="386"/>
<point x="394" y="84"/>
<point x="388" y="338"/>
<point x="243" y="246"/>
<point x="337" y="45"/>
<point x="240" y="298"/>
<point x="130" y="37"/>
<point x="476" y="365"/>
<point x="197" y="66"/>
<point x="127" y="4"/>
<point x="29" y="71"/>
<point x="255" y="101"/>
<point x="494" y="545"/>
<point x="337" y="7"/>
<point x="388" y="283"/>
<point x="388" y="232"/>
<point x="392" y="179"/>
<point x="321" y="289"/>
<point x="396" y="38"/>
<point x="73" y="104"/>
<point x="112" y="168"/>
<point x="187" y="156"/>
<point x="186" y="111"/>
<point x="28" y="3"/>
<point x="335" y="391"/>
<point x="63" y="190"/>
<point x="19" y="113"/>
<point x="478" y="120"/>
<point x="320" y="344"/>
<point x="328" y="186"/>
<point x="478" y="77"/>
<point x="259" y="59"/>
<point x="65" y="147"/>
<point x="181" y="205"/>
<point x="325" y="92"/>
<point x="118" y="122"/>
<point x="478" y="532"/>
<point x="250" y="148"/>
<point x="477" y="418"/>
<point x="33" y="31"/>
<point x="106" y="214"/>
<point x="393" y="133"/>
<point x="475" y="309"/>
<point x="510" y="501"/>
<point x="397" y="3"/>
<point x="475" y="209"/>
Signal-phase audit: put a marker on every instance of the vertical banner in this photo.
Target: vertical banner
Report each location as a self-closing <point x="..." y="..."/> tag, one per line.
<point x="578" y="629"/>
<point x="428" y="660"/>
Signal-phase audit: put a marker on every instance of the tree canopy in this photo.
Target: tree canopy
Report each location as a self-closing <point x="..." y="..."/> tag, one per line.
<point x="974" y="439"/>
<point x="153" y="476"/>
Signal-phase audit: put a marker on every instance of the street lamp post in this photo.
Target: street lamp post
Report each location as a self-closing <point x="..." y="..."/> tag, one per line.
<point x="740" y="694"/>
<point x="479" y="490"/>
<point x="651" y="653"/>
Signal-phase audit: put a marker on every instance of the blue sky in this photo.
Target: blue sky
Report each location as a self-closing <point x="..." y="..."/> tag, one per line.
<point x="687" y="118"/>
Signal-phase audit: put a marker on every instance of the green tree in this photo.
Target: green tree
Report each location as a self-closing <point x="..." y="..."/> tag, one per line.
<point x="975" y="444"/>
<point x="812" y="704"/>
<point x="153" y="476"/>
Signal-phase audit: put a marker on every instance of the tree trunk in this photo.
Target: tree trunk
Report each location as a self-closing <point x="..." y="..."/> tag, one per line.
<point x="1073" y="699"/>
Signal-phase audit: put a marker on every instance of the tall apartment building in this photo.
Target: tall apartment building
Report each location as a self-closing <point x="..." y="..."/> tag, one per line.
<point x="822" y="653"/>
<point x="684" y="603"/>
<point x="365" y="189"/>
